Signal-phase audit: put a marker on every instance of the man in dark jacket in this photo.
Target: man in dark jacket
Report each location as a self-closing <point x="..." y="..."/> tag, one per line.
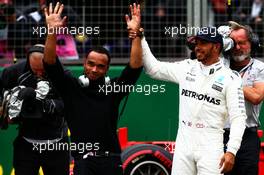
<point x="38" y="110"/>
<point x="91" y="103"/>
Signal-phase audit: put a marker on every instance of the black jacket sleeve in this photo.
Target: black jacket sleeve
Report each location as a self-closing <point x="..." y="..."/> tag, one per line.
<point x="10" y="75"/>
<point x="58" y="76"/>
<point x="128" y="78"/>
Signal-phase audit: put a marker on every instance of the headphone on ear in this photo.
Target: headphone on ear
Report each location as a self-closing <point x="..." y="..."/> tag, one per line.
<point x="255" y="42"/>
<point x="253" y="39"/>
<point x="84" y="80"/>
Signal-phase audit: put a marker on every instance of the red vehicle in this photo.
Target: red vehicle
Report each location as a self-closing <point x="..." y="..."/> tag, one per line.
<point x="155" y="157"/>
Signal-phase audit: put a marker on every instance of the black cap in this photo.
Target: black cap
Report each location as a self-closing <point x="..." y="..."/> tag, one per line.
<point x="210" y="34"/>
<point x="36" y="48"/>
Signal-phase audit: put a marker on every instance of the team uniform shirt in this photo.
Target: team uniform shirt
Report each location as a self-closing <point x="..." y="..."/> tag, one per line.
<point x="252" y="73"/>
<point x="208" y="95"/>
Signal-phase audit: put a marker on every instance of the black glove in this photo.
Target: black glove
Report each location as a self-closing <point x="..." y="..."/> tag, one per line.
<point x="31" y="108"/>
<point x="26" y="94"/>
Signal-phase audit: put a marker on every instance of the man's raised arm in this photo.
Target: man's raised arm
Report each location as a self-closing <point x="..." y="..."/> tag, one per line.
<point x="53" y="22"/>
<point x="134" y="25"/>
<point x="154" y="68"/>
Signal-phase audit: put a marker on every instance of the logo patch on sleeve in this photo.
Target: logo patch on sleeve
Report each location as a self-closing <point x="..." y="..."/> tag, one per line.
<point x="218" y="88"/>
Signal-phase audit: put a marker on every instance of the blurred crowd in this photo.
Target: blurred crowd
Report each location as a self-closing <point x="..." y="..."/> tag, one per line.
<point x="246" y="12"/>
<point x="18" y="19"/>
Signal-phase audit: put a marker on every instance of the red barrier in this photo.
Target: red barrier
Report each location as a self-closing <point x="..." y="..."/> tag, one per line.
<point x="123" y="137"/>
<point x="261" y="155"/>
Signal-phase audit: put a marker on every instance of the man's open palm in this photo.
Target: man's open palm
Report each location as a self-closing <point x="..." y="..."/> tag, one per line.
<point x="134" y="22"/>
<point x="53" y="16"/>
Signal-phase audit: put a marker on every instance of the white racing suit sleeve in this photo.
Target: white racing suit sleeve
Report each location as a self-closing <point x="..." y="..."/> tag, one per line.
<point x="160" y="70"/>
<point x="236" y="112"/>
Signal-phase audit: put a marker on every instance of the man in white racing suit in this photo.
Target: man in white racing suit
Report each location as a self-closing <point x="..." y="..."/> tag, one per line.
<point x="209" y="92"/>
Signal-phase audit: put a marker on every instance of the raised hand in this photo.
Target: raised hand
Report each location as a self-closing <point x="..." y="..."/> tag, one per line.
<point x="133" y="23"/>
<point x="53" y="16"/>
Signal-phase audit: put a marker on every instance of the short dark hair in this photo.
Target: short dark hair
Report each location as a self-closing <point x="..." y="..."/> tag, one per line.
<point x="101" y="50"/>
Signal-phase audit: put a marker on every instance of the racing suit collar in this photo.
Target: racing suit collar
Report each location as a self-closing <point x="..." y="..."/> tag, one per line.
<point x="208" y="70"/>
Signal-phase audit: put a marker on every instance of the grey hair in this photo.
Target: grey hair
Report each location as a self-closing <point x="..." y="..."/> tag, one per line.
<point x="236" y="26"/>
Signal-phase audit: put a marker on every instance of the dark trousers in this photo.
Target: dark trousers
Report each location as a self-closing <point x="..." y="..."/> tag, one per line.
<point x="247" y="157"/>
<point x="98" y="166"/>
<point x="28" y="161"/>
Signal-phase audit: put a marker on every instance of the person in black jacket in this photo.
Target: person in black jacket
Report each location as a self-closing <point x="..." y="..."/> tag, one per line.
<point x="91" y="104"/>
<point x="38" y="110"/>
